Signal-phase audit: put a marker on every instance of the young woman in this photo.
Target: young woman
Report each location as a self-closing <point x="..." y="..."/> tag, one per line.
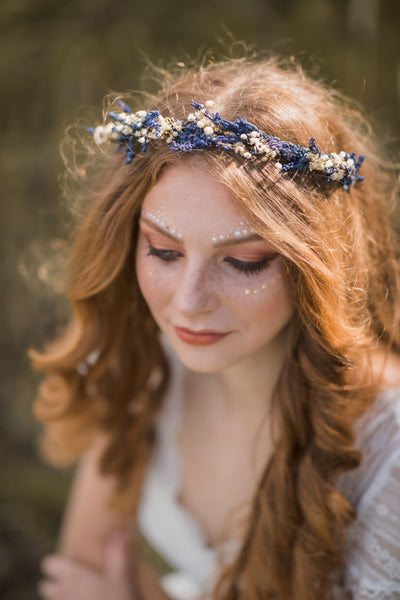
<point x="231" y="374"/>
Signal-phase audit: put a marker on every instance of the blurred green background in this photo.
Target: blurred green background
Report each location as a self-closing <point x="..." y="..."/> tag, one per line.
<point x="57" y="56"/>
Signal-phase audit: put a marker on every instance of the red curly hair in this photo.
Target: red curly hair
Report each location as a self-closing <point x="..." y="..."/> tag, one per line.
<point x="342" y="270"/>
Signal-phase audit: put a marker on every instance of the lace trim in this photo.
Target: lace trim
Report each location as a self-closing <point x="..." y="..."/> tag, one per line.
<point x="161" y="516"/>
<point x="372" y="555"/>
<point x="172" y="466"/>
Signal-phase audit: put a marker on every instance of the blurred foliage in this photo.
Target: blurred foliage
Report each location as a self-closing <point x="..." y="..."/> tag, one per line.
<point x="59" y="55"/>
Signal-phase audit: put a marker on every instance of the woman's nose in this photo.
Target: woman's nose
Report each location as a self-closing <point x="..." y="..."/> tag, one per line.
<point x="196" y="291"/>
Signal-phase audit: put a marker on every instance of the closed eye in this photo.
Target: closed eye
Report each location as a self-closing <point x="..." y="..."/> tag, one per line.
<point x="166" y="255"/>
<point x="247" y="267"/>
<point x="251" y="267"/>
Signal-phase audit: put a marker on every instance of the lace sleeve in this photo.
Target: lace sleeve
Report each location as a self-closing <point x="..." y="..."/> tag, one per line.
<point x="372" y="557"/>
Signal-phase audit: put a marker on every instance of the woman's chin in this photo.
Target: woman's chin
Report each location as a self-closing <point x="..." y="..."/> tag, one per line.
<point x="204" y="359"/>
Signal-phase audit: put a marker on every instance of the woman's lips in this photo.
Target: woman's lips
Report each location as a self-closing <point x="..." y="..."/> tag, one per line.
<point x="204" y="337"/>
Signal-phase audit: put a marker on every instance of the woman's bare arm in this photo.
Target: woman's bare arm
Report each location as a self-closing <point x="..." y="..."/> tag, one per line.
<point x="93" y="560"/>
<point x="88" y="522"/>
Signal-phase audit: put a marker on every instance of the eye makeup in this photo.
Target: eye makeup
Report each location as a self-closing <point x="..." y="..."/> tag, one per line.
<point x="248" y="260"/>
<point x="158" y="217"/>
<point x="242" y="229"/>
<point x="264" y="286"/>
<point x="239" y="235"/>
<point x="162" y="253"/>
<point x="251" y="267"/>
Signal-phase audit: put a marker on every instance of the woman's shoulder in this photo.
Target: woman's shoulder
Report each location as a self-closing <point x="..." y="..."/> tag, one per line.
<point x="381" y="423"/>
<point x="372" y="554"/>
<point x="378" y="430"/>
<point x="377" y="437"/>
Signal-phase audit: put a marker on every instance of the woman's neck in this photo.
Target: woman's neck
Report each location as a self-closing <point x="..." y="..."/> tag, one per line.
<point x="245" y="389"/>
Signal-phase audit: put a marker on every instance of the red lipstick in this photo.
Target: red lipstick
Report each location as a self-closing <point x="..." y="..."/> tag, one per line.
<point x="203" y="337"/>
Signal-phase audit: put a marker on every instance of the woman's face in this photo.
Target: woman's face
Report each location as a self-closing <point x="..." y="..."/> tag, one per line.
<point x="214" y="287"/>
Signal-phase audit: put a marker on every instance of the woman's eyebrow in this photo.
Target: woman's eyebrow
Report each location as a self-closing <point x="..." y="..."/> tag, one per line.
<point x="233" y="240"/>
<point x="229" y="239"/>
<point x="165" y="232"/>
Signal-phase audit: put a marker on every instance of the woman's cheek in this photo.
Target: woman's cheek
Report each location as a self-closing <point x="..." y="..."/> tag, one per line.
<point x="262" y="291"/>
<point x="265" y="309"/>
<point x="258" y="304"/>
<point x="144" y="270"/>
<point x="155" y="280"/>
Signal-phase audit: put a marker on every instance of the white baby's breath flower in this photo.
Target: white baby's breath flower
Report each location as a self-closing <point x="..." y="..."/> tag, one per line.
<point x="165" y="125"/>
<point x="336" y="159"/>
<point x="338" y="176"/>
<point x="316" y="162"/>
<point x="239" y="148"/>
<point x="269" y="153"/>
<point x="130" y="119"/>
<point x="202" y="123"/>
<point x="102" y="133"/>
<point x="253" y="144"/>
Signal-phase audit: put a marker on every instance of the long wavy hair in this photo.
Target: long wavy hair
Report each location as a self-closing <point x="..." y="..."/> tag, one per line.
<point x="107" y="371"/>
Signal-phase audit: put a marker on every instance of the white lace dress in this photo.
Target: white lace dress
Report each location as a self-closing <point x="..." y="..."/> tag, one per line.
<point x="372" y="557"/>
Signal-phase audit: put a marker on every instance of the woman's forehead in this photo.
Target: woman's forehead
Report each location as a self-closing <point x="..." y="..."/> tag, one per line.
<point x="188" y="193"/>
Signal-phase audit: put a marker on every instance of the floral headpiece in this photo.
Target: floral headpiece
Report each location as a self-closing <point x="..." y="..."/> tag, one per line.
<point x="204" y="130"/>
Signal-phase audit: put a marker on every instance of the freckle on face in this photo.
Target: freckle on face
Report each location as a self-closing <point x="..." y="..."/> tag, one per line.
<point x="201" y="290"/>
<point x="159" y="217"/>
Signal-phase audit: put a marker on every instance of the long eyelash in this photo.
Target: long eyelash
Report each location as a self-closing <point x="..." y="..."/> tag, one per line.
<point x="166" y="255"/>
<point x="251" y="268"/>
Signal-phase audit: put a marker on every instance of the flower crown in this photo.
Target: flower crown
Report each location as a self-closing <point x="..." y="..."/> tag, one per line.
<point x="204" y="130"/>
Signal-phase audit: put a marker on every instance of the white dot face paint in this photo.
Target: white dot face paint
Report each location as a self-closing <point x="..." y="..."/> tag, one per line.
<point x="219" y="300"/>
<point x="237" y="232"/>
<point x="264" y="286"/>
<point x="158" y="217"/>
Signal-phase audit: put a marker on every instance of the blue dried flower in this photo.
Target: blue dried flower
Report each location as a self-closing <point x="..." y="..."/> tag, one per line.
<point x="206" y="130"/>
